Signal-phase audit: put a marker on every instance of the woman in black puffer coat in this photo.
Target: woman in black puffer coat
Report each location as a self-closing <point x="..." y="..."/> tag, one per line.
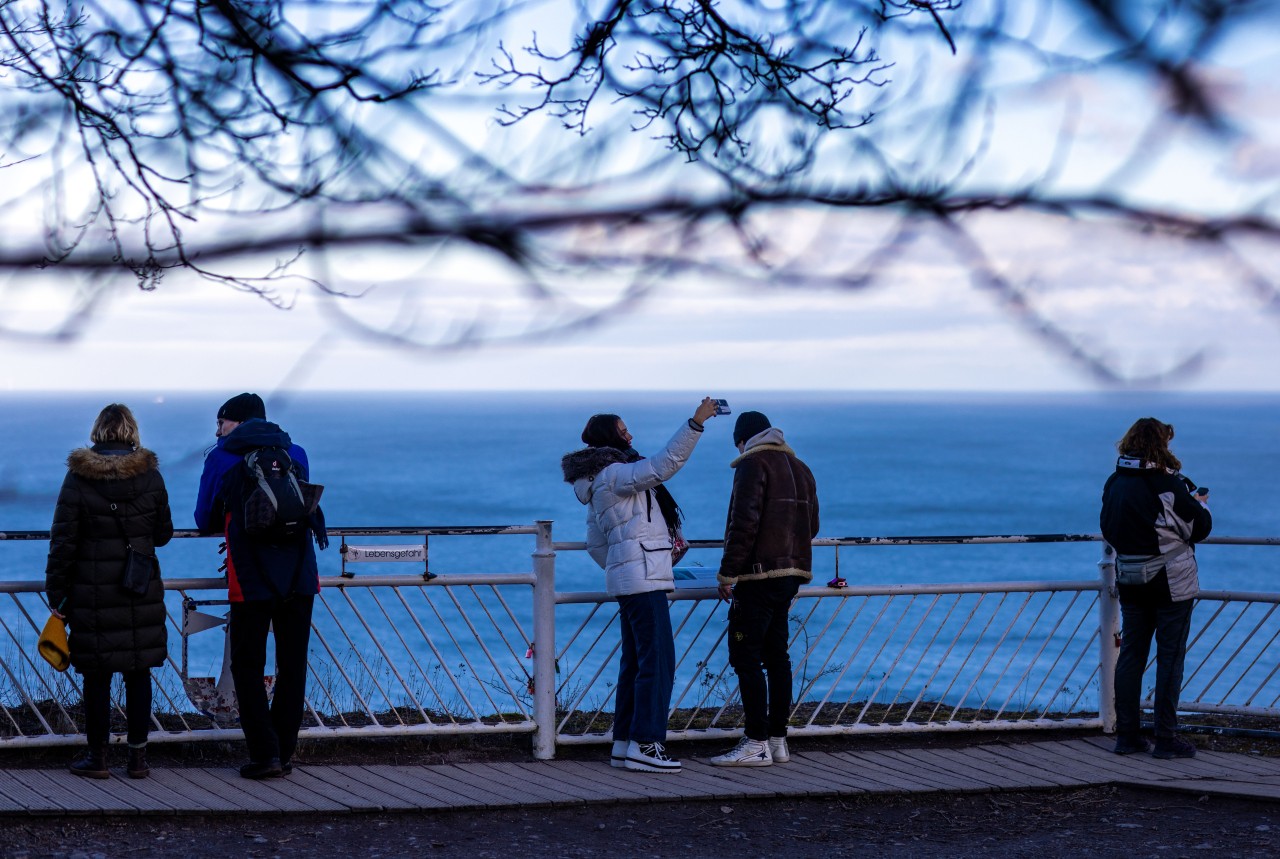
<point x="113" y="498"/>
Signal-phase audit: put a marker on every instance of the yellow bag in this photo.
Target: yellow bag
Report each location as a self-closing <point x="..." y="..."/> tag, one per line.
<point x="53" y="643"/>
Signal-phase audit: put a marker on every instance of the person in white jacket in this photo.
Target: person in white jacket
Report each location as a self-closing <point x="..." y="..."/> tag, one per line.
<point x="630" y="521"/>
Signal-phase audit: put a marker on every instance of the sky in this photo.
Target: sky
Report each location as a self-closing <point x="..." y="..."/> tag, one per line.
<point x="1146" y="302"/>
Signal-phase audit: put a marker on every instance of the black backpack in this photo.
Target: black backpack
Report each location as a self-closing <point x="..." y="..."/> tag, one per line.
<point x="277" y="505"/>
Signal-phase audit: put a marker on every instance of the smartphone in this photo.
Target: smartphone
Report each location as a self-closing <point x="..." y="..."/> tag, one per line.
<point x="722" y="407"/>
<point x="1201" y="490"/>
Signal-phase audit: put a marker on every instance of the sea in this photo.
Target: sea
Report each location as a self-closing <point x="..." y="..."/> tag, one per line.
<point x="886" y="465"/>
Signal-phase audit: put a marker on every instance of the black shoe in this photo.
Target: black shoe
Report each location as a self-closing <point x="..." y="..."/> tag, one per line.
<point x="1173" y="747"/>
<point x="137" y="767"/>
<point x="262" y="769"/>
<point x="286" y="768"/>
<point x="93" y="764"/>
<point x="1130" y="744"/>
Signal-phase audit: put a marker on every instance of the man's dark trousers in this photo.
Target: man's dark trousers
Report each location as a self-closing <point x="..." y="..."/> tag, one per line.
<point x="758" y="637"/>
<point x="271" y="731"/>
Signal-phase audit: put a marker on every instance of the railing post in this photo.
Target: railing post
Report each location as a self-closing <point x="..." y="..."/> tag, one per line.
<point x="544" y="644"/>
<point x="1108" y="639"/>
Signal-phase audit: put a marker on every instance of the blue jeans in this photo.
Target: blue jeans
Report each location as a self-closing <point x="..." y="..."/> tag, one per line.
<point x="1148" y="610"/>
<point x="646" y="673"/>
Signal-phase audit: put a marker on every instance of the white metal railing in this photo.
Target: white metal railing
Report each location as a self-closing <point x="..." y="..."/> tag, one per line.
<point x="509" y="652"/>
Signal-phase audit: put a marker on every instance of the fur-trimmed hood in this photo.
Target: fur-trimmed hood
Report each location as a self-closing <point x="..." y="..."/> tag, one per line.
<point x="119" y="465"/>
<point x="770" y="439"/>
<point x="589" y="462"/>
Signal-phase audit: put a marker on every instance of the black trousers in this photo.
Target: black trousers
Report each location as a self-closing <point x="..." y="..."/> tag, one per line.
<point x="1148" y="610"/>
<point x="271" y="730"/>
<point x="758" y="638"/>
<point x="97" y="706"/>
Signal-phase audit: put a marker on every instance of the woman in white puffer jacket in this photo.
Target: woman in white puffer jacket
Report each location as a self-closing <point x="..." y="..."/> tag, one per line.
<point x="630" y="519"/>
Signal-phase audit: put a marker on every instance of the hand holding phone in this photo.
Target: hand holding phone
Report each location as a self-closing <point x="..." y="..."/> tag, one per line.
<point x="722" y="407"/>
<point x="1201" y="491"/>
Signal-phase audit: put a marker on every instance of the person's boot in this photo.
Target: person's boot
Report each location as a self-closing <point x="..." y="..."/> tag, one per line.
<point x="138" y="762"/>
<point x="93" y="764"/>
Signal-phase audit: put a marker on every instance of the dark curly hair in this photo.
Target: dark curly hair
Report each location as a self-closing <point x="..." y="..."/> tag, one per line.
<point x="1148" y="439"/>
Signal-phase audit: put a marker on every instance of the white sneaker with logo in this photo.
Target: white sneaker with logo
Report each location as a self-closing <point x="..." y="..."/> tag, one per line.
<point x="649" y="758"/>
<point x="748" y="753"/>
<point x="618" y="755"/>
<point x="778" y="750"/>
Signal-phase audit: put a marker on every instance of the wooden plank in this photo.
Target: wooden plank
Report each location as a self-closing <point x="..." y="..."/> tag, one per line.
<point x="1159" y="769"/>
<point x="333" y="782"/>
<point x="986" y="768"/>
<point x="520" y="791"/>
<point x="913" y="780"/>
<point x="871" y="777"/>
<point x="958" y="780"/>
<point x="841" y="778"/>
<point x="77" y="794"/>
<point x="1083" y="770"/>
<point x="447" y="792"/>
<point x="149" y="798"/>
<point x="691" y="783"/>
<point x="539" y="784"/>
<point x="23" y="795"/>
<point x="578" y="782"/>
<point x="179" y="783"/>
<point x="1033" y="771"/>
<point x="260" y="795"/>
<point x="1227" y="762"/>
<point x="490" y="795"/>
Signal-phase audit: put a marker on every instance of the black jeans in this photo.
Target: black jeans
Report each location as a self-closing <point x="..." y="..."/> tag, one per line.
<point x="758" y="638"/>
<point x="1148" y="610"/>
<point x="271" y="731"/>
<point x="97" y="706"/>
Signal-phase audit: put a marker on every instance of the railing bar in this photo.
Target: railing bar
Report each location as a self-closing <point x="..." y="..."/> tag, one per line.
<point x="924" y="687"/>
<point x="315" y="630"/>
<point x="359" y="654"/>
<point x="905" y="647"/>
<point x="22" y="690"/>
<point x="522" y="638"/>
<point x="677" y="700"/>
<point x="965" y="696"/>
<point x="484" y="648"/>
<point x="38" y="674"/>
<point x="1186" y="684"/>
<point x="888" y="638"/>
<point x="1044" y="642"/>
<point x="933" y="639"/>
<point x="802" y="666"/>
<point x="853" y="658"/>
<point x="572" y="670"/>
<point x="973" y="612"/>
<point x="373" y="594"/>
<point x="1045" y="675"/>
<point x="595" y="607"/>
<point x="440" y="660"/>
<point x="807" y="687"/>
<point x="697" y="705"/>
<point x="423" y="672"/>
<point x="448" y="631"/>
<point x="1275" y="668"/>
<point x="1266" y="616"/>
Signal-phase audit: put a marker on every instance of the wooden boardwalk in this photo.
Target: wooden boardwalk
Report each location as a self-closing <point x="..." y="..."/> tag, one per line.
<point x="997" y="766"/>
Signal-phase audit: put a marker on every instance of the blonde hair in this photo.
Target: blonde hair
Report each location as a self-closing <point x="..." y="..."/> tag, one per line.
<point x="115" y="423"/>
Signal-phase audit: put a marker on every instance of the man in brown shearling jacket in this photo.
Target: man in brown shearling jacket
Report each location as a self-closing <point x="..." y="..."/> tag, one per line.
<point x="773" y="518"/>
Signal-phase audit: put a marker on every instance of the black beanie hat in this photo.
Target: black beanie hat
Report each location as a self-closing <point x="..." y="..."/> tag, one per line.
<point x="242" y="407"/>
<point x="749" y="424"/>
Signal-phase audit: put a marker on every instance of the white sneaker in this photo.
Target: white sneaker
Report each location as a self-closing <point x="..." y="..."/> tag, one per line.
<point x="618" y="755"/>
<point x="778" y="750"/>
<point x="748" y="753"/>
<point x="649" y="758"/>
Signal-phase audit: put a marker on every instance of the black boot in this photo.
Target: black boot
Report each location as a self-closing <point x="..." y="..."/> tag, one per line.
<point x="93" y="764"/>
<point x="138" y="762"/>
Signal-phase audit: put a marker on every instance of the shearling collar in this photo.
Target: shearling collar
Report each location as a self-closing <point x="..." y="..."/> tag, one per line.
<point x="589" y="462"/>
<point x="88" y="463"/>
<point x="782" y="447"/>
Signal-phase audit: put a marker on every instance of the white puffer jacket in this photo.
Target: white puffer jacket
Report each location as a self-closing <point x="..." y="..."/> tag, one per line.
<point x="626" y="533"/>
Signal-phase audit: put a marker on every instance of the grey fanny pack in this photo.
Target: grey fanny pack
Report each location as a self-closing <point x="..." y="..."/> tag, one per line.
<point x="1140" y="569"/>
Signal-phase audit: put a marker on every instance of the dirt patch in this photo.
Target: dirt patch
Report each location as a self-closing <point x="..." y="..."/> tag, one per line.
<point x="1093" y="822"/>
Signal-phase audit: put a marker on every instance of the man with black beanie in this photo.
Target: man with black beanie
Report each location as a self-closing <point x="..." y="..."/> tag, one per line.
<point x="768" y="552"/>
<point x="271" y="583"/>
